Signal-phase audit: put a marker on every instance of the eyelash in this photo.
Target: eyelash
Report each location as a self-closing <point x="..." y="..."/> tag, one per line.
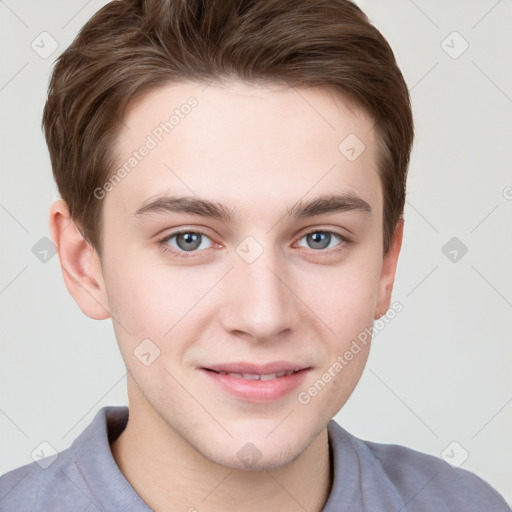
<point x="345" y="242"/>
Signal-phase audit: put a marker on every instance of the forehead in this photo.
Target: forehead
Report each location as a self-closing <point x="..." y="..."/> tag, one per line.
<point x="245" y="145"/>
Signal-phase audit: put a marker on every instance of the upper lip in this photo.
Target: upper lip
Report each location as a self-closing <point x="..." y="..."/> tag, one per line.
<point x="256" y="369"/>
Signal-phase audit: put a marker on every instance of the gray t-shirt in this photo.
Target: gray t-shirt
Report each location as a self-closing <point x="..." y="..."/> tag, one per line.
<point x="368" y="476"/>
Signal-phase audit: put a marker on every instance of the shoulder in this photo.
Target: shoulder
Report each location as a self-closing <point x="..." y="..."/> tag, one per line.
<point x="428" y="480"/>
<point x="36" y="487"/>
<point x="18" y="484"/>
<point x="419" y="481"/>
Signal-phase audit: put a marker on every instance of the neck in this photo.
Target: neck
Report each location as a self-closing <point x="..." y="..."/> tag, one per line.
<point x="169" y="474"/>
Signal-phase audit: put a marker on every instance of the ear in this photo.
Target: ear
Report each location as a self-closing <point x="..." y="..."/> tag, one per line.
<point x="80" y="263"/>
<point x="387" y="277"/>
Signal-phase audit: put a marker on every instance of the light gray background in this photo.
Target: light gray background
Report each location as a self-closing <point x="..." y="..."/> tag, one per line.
<point x="438" y="373"/>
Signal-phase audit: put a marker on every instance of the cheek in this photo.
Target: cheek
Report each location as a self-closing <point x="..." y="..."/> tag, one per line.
<point x="155" y="302"/>
<point x="136" y="301"/>
<point x="148" y="296"/>
<point x="346" y="300"/>
<point x="326" y="392"/>
<point x="350" y="307"/>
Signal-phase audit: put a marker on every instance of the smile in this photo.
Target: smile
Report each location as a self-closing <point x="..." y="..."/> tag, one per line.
<point x="256" y="376"/>
<point x="257" y="385"/>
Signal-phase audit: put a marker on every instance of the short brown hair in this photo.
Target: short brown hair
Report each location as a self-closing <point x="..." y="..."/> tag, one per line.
<point x="130" y="47"/>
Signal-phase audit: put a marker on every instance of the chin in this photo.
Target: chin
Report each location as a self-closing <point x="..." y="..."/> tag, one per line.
<point x="255" y="451"/>
<point x="253" y="458"/>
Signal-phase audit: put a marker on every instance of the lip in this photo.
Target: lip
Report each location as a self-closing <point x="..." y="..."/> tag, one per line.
<point x="246" y="367"/>
<point x="257" y="391"/>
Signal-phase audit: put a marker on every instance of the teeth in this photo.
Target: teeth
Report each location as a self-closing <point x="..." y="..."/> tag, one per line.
<point x="255" y="376"/>
<point x="250" y="376"/>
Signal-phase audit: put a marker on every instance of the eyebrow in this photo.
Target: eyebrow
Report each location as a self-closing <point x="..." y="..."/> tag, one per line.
<point x="327" y="203"/>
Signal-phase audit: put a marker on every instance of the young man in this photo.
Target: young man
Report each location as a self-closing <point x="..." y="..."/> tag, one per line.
<point x="233" y="179"/>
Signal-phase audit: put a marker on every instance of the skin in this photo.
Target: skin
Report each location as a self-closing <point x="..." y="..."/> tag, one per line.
<point x="257" y="150"/>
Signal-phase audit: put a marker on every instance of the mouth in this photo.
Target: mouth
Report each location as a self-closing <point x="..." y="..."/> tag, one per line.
<point x="256" y="383"/>
<point x="255" y="376"/>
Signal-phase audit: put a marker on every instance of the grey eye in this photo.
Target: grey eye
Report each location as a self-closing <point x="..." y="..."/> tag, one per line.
<point x="319" y="239"/>
<point x="188" y="241"/>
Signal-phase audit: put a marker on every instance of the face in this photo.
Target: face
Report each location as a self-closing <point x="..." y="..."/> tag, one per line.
<point x="205" y="300"/>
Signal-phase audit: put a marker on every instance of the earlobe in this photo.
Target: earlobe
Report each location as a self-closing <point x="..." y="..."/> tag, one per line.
<point x="387" y="277"/>
<point x="80" y="264"/>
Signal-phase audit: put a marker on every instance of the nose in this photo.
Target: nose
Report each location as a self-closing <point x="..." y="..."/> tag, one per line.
<point x="260" y="303"/>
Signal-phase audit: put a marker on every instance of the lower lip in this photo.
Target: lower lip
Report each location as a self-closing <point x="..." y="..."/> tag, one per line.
<point x="258" y="390"/>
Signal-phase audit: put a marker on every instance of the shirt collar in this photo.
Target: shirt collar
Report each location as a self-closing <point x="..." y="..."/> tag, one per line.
<point x="109" y="486"/>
